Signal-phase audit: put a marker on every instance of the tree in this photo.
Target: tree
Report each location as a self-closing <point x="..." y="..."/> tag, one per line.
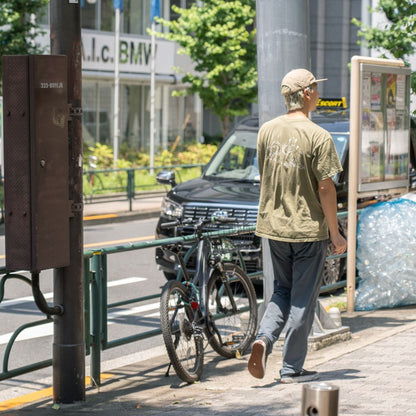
<point x="398" y="36"/>
<point x="219" y="37"/>
<point x="17" y="30"/>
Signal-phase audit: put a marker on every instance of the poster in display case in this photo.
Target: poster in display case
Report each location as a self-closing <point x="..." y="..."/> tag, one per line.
<point x="385" y="123"/>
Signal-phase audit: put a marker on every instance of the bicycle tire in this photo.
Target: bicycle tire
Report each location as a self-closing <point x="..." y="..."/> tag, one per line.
<point x="183" y="344"/>
<point x="232" y="308"/>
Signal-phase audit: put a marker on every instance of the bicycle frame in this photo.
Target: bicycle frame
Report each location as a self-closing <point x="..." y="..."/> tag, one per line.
<point x="202" y="272"/>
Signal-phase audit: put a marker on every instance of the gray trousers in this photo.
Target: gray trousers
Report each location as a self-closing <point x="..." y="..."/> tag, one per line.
<point x="297" y="269"/>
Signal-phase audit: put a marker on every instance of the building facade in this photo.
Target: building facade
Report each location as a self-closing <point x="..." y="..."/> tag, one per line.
<point x="177" y="119"/>
<point x="333" y="41"/>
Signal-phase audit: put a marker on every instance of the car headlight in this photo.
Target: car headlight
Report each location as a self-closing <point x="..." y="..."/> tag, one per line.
<point x="171" y="209"/>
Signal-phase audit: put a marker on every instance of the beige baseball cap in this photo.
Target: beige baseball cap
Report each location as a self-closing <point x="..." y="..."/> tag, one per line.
<point x="297" y="80"/>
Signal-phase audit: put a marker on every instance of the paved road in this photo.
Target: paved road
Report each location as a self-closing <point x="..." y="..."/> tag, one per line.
<point x="375" y="372"/>
<point x="131" y="274"/>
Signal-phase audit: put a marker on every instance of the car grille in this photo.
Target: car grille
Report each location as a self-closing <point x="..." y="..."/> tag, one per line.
<point x="244" y="215"/>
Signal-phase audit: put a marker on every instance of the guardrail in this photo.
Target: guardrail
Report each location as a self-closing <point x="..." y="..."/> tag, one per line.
<point x="108" y="185"/>
<point x="97" y="307"/>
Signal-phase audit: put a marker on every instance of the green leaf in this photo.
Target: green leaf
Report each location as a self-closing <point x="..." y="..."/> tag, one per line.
<point x="397" y="37"/>
<point x="219" y="37"/>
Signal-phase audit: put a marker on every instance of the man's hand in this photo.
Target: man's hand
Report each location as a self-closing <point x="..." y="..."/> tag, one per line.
<point x="339" y="243"/>
<point x="328" y="198"/>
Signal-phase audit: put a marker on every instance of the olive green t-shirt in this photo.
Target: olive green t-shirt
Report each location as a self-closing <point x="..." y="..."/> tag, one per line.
<point x="294" y="154"/>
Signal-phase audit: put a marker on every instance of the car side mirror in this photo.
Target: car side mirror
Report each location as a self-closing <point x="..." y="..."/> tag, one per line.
<point x="166" y="177"/>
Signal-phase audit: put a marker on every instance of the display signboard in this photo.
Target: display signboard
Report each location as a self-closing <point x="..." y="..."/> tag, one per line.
<point x="1" y="136"/>
<point x="379" y="141"/>
<point x="383" y="148"/>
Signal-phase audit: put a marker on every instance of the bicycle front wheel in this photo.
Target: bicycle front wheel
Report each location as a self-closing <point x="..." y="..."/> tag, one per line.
<point x="232" y="307"/>
<point x="183" y="339"/>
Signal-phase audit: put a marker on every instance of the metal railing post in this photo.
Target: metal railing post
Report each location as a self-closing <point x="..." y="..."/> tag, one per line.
<point x="320" y="399"/>
<point x="96" y="319"/>
<point x="104" y="301"/>
<point x="130" y="188"/>
<point x="87" y="302"/>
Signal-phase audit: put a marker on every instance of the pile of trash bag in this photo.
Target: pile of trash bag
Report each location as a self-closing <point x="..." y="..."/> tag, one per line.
<point x="386" y="254"/>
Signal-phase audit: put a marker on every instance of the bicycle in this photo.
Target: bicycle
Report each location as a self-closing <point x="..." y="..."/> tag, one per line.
<point x="217" y="304"/>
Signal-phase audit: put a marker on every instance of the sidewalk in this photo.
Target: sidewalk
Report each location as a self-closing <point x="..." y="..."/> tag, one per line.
<point x="375" y="372"/>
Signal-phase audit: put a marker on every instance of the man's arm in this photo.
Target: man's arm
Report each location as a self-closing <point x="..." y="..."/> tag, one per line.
<point x="328" y="198"/>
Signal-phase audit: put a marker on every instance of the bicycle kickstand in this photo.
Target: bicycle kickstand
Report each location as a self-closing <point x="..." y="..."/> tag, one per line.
<point x="169" y="366"/>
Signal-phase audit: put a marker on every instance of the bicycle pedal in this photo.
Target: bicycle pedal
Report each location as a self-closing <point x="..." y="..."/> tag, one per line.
<point x="235" y="339"/>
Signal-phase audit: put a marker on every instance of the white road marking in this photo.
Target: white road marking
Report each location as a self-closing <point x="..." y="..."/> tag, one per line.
<point x="49" y="295"/>
<point x="47" y="329"/>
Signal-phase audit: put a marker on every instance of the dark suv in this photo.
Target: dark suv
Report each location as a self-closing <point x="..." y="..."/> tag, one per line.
<point x="230" y="183"/>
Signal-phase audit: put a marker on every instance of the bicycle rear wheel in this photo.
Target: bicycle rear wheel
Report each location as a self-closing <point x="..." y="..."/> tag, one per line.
<point x="232" y="306"/>
<point x="183" y="340"/>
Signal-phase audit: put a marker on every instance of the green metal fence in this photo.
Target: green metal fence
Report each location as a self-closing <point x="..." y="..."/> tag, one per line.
<point x="108" y="185"/>
<point x="97" y="306"/>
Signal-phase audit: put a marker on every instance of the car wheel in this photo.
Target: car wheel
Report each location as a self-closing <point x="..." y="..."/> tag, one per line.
<point x="334" y="270"/>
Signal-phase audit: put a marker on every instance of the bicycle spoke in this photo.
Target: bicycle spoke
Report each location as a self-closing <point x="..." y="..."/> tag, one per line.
<point x="233" y="311"/>
<point x="182" y="339"/>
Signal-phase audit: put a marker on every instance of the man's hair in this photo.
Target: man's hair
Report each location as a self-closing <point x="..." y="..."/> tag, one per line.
<point x="295" y="101"/>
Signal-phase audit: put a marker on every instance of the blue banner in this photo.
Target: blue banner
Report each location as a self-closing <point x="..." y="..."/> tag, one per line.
<point x="118" y="4"/>
<point x="154" y="9"/>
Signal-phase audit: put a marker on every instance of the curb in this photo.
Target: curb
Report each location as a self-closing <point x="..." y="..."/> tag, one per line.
<point x="99" y="219"/>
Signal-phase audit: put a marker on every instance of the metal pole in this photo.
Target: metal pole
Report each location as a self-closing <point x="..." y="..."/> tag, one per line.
<point x="116" y="84"/>
<point x="96" y="321"/>
<point x="69" y="340"/>
<point x="130" y="187"/>
<point x="353" y="182"/>
<point x="320" y="399"/>
<point x="282" y="45"/>
<point x="152" y="98"/>
<point x="366" y="19"/>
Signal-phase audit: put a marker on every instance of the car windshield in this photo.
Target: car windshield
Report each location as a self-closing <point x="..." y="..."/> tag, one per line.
<point x="236" y="159"/>
<point x="341" y="144"/>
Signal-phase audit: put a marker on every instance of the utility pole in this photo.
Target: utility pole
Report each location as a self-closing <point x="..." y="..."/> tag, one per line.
<point x="282" y="45"/>
<point x="69" y="329"/>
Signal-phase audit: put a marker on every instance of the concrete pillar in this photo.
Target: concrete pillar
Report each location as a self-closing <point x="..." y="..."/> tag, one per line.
<point x="282" y="45"/>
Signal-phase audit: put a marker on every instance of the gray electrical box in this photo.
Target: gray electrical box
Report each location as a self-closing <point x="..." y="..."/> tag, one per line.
<point x="36" y="194"/>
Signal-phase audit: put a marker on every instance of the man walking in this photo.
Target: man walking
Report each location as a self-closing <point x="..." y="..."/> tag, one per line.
<point x="298" y="206"/>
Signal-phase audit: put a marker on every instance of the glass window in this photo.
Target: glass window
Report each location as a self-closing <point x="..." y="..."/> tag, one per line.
<point x="183" y="4"/>
<point x="97" y="112"/>
<point x="97" y="15"/>
<point x="132" y="16"/>
<point x="107" y="16"/>
<point x="89" y="15"/>
<point x="176" y="118"/>
<point x="43" y="16"/>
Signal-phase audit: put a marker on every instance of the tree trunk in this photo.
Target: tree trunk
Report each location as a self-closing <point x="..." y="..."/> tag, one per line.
<point x="225" y="126"/>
